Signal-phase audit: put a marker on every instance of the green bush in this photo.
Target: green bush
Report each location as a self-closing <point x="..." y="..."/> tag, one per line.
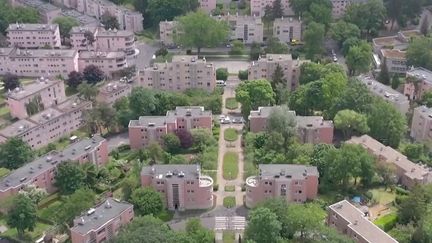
<point x="215" y="187"/>
<point x="237" y="48"/>
<point x="231" y="103"/>
<point x="401" y="191"/>
<point x="229" y="202"/>
<point x="387" y="222"/>
<point x="243" y="74"/>
<point x="230" y="134"/>
<point x="222" y="74"/>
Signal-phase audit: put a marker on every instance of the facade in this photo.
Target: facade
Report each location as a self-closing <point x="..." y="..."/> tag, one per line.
<point x="115" y="40"/>
<point x="78" y="40"/>
<point x="395" y="61"/>
<point x="418" y="82"/>
<point x="264" y="68"/>
<point x="47" y="92"/>
<point x="4" y="59"/>
<point x="113" y="91"/>
<point x="182" y="186"/>
<point x="394" y="97"/>
<point x="151" y="128"/>
<point x="349" y="220"/>
<point x="339" y="8"/>
<point x="166" y="32"/>
<point x="294" y="183"/>
<point x="421" y="125"/>
<point x="310" y="129"/>
<point x="184" y="72"/>
<point x="41" y="171"/>
<point x="108" y="62"/>
<point x="248" y="29"/>
<point x="47" y="11"/>
<point x="408" y="173"/>
<point x="33" y="35"/>
<point x="287" y="29"/>
<point x="207" y="5"/>
<point x="49" y="125"/>
<point x="258" y="7"/>
<point x="101" y="223"/>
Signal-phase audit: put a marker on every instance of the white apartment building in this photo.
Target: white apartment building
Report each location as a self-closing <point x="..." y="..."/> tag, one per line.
<point x="4" y="59"/>
<point x="108" y="62"/>
<point x="207" y="5"/>
<point x="287" y="29"/>
<point x="166" y="32"/>
<point x="421" y="125"/>
<point x="184" y="72"/>
<point x="395" y="60"/>
<point x="247" y="29"/>
<point x="115" y="40"/>
<point x="113" y="91"/>
<point x="257" y="7"/>
<point x="264" y="68"/>
<point x="33" y="35"/>
<point x="79" y="41"/>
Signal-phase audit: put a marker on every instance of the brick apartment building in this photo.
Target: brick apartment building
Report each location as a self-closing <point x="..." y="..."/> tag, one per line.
<point x="294" y="183"/>
<point x="351" y="221"/>
<point x="257" y="7"/>
<point x="287" y="29"/>
<point x="182" y="186"/>
<point x="166" y="32"/>
<point x="115" y="40"/>
<point x="420" y="77"/>
<point x="264" y="68"/>
<point x="394" y="97"/>
<point x="113" y="91"/>
<point x="101" y="223"/>
<point x="207" y="5"/>
<point x="49" y="125"/>
<point x="109" y="62"/>
<point x="408" y="173"/>
<point x="310" y="129"/>
<point x="421" y="125"/>
<point x="184" y="72"/>
<point x="149" y="129"/>
<point x="78" y="40"/>
<point x="33" y="35"/>
<point x="46" y="92"/>
<point x="41" y="171"/>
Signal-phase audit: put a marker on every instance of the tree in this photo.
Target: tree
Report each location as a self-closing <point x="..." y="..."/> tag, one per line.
<point x="74" y="204"/>
<point x="348" y="43"/>
<point x="423" y="233"/>
<point x="304" y="218"/>
<point x="93" y="74"/>
<point x="10" y="81"/>
<point x="22" y="216"/>
<point x="155" y="152"/>
<point x="277" y="9"/>
<point x="89" y="38"/>
<point x="282" y="121"/>
<point x="243" y="75"/>
<point x="341" y="31"/>
<point x="349" y="121"/>
<point x="384" y="76"/>
<point x="387" y="172"/>
<point x="279" y="84"/>
<point x="413" y="207"/>
<point x="255" y="51"/>
<point x="237" y="48"/>
<point x="358" y="58"/>
<point x="185" y="137"/>
<point x="171" y="142"/>
<point x="319" y="12"/>
<point x="69" y="177"/>
<point x="74" y="79"/>
<point x="368" y="16"/>
<point x="161" y="10"/>
<point x="395" y="82"/>
<point x="14" y="153"/>
<point x="311" y="71"/>
<point x="426" y="98"/>
<point x="401" y="11"/>
<point x="200" y="30"/>
<point x="419" y="52"/>
<point x="222" y="74"/>
<point x="263" y="226"/>
<point x="65" y="25"/>
<point x="202" y="138"/>
<point x="12" y="15"/>
<point x="88" y="91"/>
<point x="413" y="151"/>
<point x="142" y="102"/>
<point x="105" y="116"/>
<point x="147" y="201"/>
<point x="314" y="40"/>
<point x="109" y="21"/>
<point x="34" y="193"/>
<point x="195" y="232"/>
<point x="255" y="93"/>
<point x="274" y="46"/>
<point x="424" y="26"/>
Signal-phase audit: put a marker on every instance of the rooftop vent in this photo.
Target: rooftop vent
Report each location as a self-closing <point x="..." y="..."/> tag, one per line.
<point x="108" y="204"/>
<point x="188" y="112"/>
<point x="339" y="206"/>
<point x="87" y="147"/>
<point x="276" y="176"/>
<point x="48" y="159"/>
<point x="181" y="174"/>
<point x="81" y="221"/>
<point x="169" y="174"/>
<point x="288" y="176"/>
<point x="91" y="211"/>
<point x="23" y="179"/>
<point x="282" y="172"/>
<point x="151" y="124"/>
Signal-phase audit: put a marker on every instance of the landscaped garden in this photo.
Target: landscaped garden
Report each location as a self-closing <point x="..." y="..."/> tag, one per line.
<point x="230" y="134"/>
<point x="228" y="237"/>
<point x="229" y="202"/>
<point x="230" y="165"/>
<point x="231" y="103"/>
<point x="230" y="188"/>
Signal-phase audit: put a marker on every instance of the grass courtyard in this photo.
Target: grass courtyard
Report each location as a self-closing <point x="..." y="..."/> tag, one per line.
<point x="230" y="165"/>
<point x="230" y="135"/>
<point x="229" y="202"/>
<point x="231" y="103"/>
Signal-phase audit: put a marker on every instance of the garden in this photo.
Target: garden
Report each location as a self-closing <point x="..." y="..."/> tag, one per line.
<point x="229" y="202"/>
<point x="230" y="165"/>
<point x="231" y="103"/>
<point x="230" y="134"/>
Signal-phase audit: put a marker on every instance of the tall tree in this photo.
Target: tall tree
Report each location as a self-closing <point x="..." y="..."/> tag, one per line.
<point x="15" y="153"/>
<point x="142" y="102"/>
<point x="263" y="226"/>
<point x="349" y="121"/>
<point x="368" y="16"/>
<point x="69" y="177"/>
<point x="282" y="121"/>
<point x="314" y="40"/>
<point x="195" y="232"/>
<point x="22" y="215"/>
<point x="278" y="83"/>
<point x="161" y="10"/>
<point x="384" y="76"/>
<point x="341" y="30"/>
<point x="255" y="51"/>
<point x="74" y="204"/>
<point x="147" y="201"/>
<point x="156" y="231"/>
<point x="93" y="74"/>
<point x="274" y="46"/>
<point x="88" y="91"/>
<point x="109" y="21"/>
<point x="419" y="53"/>
<point x="426" y="99"/>
<point x="65" y="25"/>
<point x="171" y="142"/>
<point x="255" y="93"/>
<point x="10" y="81"/>
<point x="200" y="30"/>
<point x="74" y="79"/>
<point x="358" y="58"/>
<point x="89" y="38"/>
<point x="395" y="81"/>
<point x="277" y="9"/>
<point x="185" y="137"/>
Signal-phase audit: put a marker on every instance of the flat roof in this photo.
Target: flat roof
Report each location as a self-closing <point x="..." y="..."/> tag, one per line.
<point x="288" y="170"/>
<point x="5" y="51"/>
<point x="33" y="88"/>
<point x="46" y="115"/>
<point x="387" y="41"/>
<point x="420" y="73"/>
<point x="359" y="224"/>
<point x="263" y="111"/>
<point x="82" y="29"/>
<point x="394" y="54"/>
<point x="61" y="53"/>
<point x="32" y="27"/>
<point x="187" y="58"/>
<point x="382" y="90"/>
<point x="101" y="214"/>
<point x="172" y="171"/>
<point x="72" y="103"/>
<point x="148" y="121"/>
<point x="281" y="21"/>
<point x="17" y="128"/>
<point x="109" y="33"/>
<point x="188" y="111"/>
<point x="26" y="173"/>
<point x="313" y="122"/>
<point x="425" y="111"/>
<point x="102" y="55"/>
<point x="275" y="58"/>
<point x="112" y="87"/>
<point x="411" y="33"/>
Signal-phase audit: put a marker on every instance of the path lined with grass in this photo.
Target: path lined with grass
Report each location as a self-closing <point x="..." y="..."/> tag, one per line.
<point x="230" y="134"/>
<point x="230" y="165"/>
<point x="231" y="103"/>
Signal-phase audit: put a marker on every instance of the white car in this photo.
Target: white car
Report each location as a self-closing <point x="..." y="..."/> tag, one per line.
<point x="226" y="120"/>
<point x="335" y="59"/>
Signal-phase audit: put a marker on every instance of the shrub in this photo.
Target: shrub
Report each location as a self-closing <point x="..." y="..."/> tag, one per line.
<point x="387" y="222"/>
<point x="401" y="191"/>
<point x="222" y="74"/>
<point x="215" y="187"/>
<point x="161" y="52"/>
<point x="243" y="74"/>
<point x="229" y="202"/>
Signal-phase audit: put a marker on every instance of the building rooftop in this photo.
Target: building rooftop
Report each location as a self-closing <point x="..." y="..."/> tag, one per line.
<point x="112" y="87"/>
<point x="118" y="33"/>
<point x="186" y="58"/>
<point x="26" y="173"/>
<point x="48" y="7"/>
<point x="5" y="51"/>
<point x="46" y="116"/>
<point x="359" y="224"/>
<point x="383" y="91"/>
<point x="262" y="112"/>
<point x="312" y="122"/>
<point x="148" y="121"/>
<point x="275" y="58"/>
<point x="31" y="89"/>
<point x="82" y="18"/>
<point x="72" y="103"/>
<point x="38" y="53"/>
<point x="425" y="111"/>
<point x="102" y="55"/>
<point x="17" y="128"/>
<point x="389" y="41"/>
<point x="420" y="73"/>
<point x="393" y="54"/>
<point x="172" y="171"/>
<point x="188" y="111"/>
<point x="410" y="33"/>
<point x="286" y="170"/>
<point x="32" y="27"/>
<point x="96" y="217"/>
<point x="83" y="29"/>
<point x="282" y="21"/>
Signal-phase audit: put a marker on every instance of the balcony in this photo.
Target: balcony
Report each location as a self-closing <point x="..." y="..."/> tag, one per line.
<point x="252" y="181"/>
<point x="205" y="181"/>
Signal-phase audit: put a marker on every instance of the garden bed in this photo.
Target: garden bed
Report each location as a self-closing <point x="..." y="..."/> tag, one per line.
<point x="230" y="135"/>
<point x="231" y="103"/>
<point x="230" y="165"/>
<point x="229" y="202"/>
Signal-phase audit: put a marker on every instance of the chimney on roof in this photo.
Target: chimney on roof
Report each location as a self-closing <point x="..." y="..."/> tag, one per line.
<point x="81" y="221"/>
<point x="108" y="204"/>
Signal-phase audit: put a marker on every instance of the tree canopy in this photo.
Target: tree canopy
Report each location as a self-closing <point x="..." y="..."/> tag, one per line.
<point x="368" y="16"/>
<point x="69" y="177"/>
<point x="10" y="81"/>
<point x="314" y="40"/>
<point x="22" y="215"/>
<point x="255" y="93"/>
<point x="14" y="153"/>
<point x="65" y="24"/>
<point x="419" y="52"/>
<point x="349" y="121"/>
<point x="147" y="201"/>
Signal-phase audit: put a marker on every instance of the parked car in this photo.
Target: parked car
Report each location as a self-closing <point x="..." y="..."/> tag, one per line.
<point x="220" y="83"/>
<point x="238" y="120"/>
<point x="226" y="120"/>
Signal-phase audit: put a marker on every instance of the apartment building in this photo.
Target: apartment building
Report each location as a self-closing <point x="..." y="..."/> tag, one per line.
<point x="33" y="35"/>
<point x="115" y="40"/>
<point x="184" y="72"/>
<point x="398" y="42"/>
<point x="42" y="62"/>
<point x="182" y="186"/>
<point x="101" y="223"/>
<point x="248" y="29"/>
<point x="44" y="91"/>
<point x="109" y="62"/>
<point x="166" y="32"/>
<point x="264" y="68"/>
<point x="41" y="171"/>
<point x="421" y="125"/>
<point x="418" y="82"/>
<point x="257" y="7"/>
<point x="83" y="19"/>
<point x="78" y="39"/>
<point x="351" y="221"/>
<point x="49" y="125"/>
<point x="4" y="59"/>
<point x="149" y="129"/>
<point x="339" y="8"/>
<point x="395" y="98"/>
<point x="310" y="129"/>
<point x="207" y="5"/>
<point x="47" y="11"/>
<point x="294" y="183"/>
<point x="113" y="91"/>
<point x="287" y="29"/>
<point x="408" y="173"/>
<point x="395" y="60"/>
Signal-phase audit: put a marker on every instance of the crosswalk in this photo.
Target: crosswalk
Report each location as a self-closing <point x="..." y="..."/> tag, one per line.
<point x="230" y="223"/>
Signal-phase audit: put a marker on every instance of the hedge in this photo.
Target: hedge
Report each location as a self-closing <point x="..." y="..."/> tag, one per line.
<point x="387" y="222"/>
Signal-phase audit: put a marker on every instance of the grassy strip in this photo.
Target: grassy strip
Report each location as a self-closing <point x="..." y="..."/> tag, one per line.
<point x="229" y="202"/>
<point x="230" y="188"/>
<point x="230" y="134"/>
<point x="230" y="165"/>
<point x="231" y="103"/>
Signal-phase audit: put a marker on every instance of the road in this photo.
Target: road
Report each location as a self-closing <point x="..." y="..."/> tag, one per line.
<point x="145" y="55"/>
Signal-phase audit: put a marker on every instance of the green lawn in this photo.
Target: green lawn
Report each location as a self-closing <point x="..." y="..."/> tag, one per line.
<point x="230" y="165"/>
<point x="228" y="237"/>
<point x="386" y="222"/>
<point x="229" y="202"/>
<point x="383" y="197"/>
<point x="29" y="236"/>
<point x="4" y="110"/>
<point x="231" y="103"/>
<point x="3" y="172"/>
<point x="230" y="188"/>
<point x="230" y="134"/>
